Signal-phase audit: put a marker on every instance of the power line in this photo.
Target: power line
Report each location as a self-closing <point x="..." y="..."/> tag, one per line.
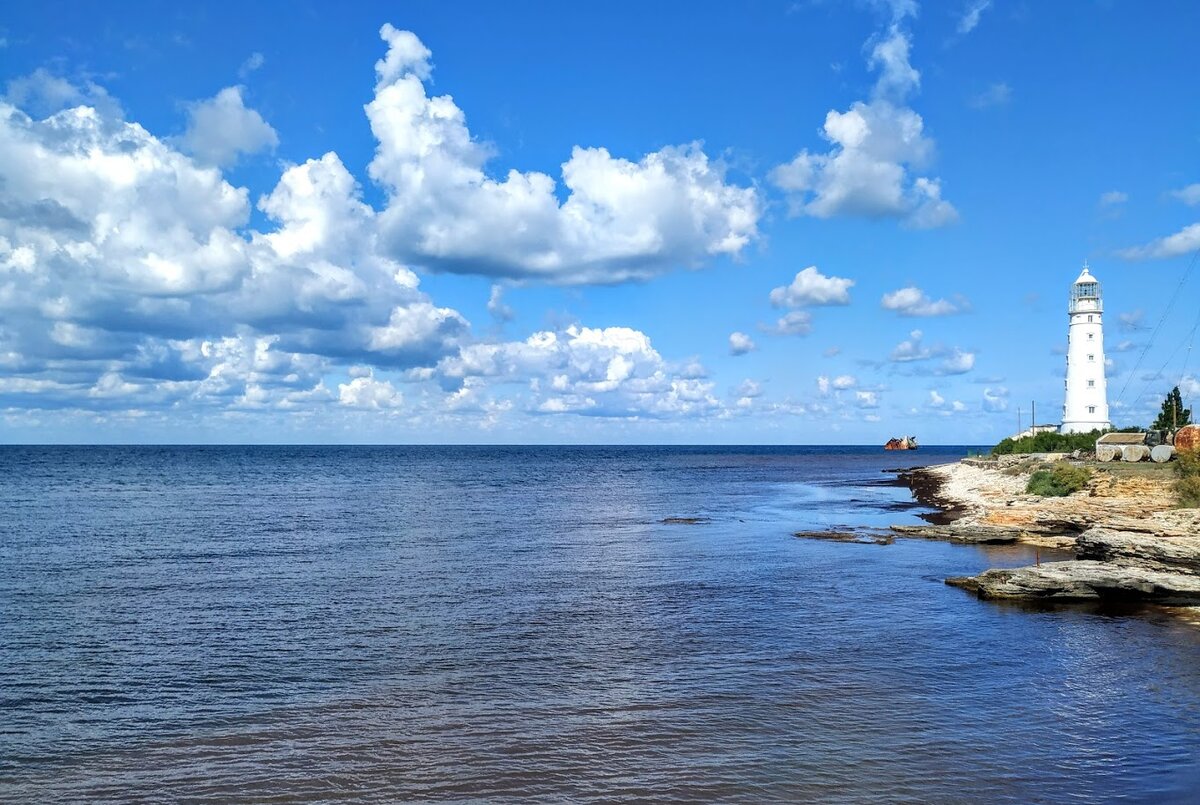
<point x="1153" y="335"/>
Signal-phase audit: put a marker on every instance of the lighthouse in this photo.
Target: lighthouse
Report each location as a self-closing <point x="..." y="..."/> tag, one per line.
<point x="1086" y="405"/>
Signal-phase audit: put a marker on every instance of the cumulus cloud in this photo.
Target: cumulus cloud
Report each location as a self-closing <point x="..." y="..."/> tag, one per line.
<point x="131" y="275"/>
<point x="1113" y="198"/>
<point x="609" y="372"/>
<point x="740" y="344"/>
<point x="620" y="219"/>
<point x="958" y="362"/>
<point x="876" y="146"/>
<point x="795" y="322"/>
<point x="911" y="349"/>
<point x="221" y="129"/>
<point x="123" y="256"/>
<point x="936" y="400"/>
<point x="912" y="301"/>
<point x="1184" y="241"/>
<point x="43" y="93"/>
<point x="368" y="392"/>
<point x="811" y="287"/>
<point x="954" y="361"/>
<point x="866" y="399"/>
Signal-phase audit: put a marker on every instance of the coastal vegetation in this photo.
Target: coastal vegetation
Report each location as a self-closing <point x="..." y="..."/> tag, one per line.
<point x="1048" y="443"/>
<point x="1059" y="481"/>
<point x="1187" y="482"/>
<point x="1173" y="415"/>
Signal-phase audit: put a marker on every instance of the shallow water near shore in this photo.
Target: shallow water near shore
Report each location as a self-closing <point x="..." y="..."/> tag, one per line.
<point x="477" y="623"/>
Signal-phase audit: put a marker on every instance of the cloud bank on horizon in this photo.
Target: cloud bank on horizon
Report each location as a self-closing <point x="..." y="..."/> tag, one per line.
<point x="140" y="283"/>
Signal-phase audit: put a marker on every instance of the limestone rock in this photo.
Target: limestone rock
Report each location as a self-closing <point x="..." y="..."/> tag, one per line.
<point x="1083" y="580"/>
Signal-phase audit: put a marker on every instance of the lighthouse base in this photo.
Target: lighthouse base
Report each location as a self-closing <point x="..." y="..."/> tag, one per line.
<point x="1081" y="426"/>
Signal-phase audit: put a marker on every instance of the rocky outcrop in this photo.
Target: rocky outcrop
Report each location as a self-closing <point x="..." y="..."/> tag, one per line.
<point x="1083" y="580"/>
<point x="1130" y="543"/>
<point x="1167" y="542"/>
<point x="968" y="534"/>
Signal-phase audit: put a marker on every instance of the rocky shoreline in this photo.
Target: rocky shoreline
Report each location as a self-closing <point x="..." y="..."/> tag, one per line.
<point x="1129" y="541"/>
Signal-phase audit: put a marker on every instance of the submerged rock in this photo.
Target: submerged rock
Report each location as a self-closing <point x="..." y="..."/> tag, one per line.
<point x="857" y="537"/>
<point x="685" y="520"/>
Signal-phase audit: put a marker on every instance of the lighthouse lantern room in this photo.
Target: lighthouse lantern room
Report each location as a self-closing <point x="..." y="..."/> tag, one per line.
<point x="1086" y="405"/>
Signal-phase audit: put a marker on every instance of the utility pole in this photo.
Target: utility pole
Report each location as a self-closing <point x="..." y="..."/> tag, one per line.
<point x="1018" y="420"/>
<point x="1033" y="418"/>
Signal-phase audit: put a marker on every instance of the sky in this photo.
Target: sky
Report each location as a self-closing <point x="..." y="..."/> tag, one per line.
<point x="772" y="222"/>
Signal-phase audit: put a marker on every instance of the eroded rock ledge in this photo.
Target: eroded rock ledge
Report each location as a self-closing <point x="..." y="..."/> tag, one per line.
<point x="1128" y="543"/>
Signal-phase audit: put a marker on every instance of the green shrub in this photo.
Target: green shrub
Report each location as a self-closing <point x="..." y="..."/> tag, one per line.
<point x="1048" y="443"/>
<point x="1058" y="481"/>
<point x="1187" y="486"/>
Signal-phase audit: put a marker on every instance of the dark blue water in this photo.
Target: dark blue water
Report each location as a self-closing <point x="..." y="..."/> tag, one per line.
<point x="399" y="623"/>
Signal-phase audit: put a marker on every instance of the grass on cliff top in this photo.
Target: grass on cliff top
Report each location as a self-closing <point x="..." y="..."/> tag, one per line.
<point x="1187" y="482"/>
<point x="1058" y="481"/>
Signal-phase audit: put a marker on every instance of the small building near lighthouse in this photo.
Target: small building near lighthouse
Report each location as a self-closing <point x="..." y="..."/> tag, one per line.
<point x="1085" y="407"/>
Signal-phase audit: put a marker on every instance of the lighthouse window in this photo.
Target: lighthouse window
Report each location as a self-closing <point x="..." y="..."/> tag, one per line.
<point x="1091" y="409"/>
<point x="1091" y="336"/>
<point x="1091" y="357"/>
<point x="1091" y="384"/>
<point x="1089" y="318"/>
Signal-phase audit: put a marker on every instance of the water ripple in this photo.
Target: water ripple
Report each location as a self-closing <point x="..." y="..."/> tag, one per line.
<point x="482" y="624"/>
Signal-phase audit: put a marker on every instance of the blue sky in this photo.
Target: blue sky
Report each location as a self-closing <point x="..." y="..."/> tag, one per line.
<point x="786" y="222"/>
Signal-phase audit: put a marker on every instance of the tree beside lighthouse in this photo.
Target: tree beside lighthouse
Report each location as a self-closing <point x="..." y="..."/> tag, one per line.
<point x="1085" y="407"/>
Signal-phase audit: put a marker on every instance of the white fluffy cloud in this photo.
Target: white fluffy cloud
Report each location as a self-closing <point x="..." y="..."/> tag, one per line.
<point x="876" y="147"/>
<point x="795" y="322"/>
<point x="221" y="129"/>
<point x="911" y="349"/>
<point x="621" y="219"/>
<point x="954" y="361"/>
<point x="612" y="372"/>
<point x="912" y="301"/>
<point x="811" y="287"/>
<point x="958" y="362"/>
<point x="118" y="252"/>
<point x="1184" y="241"/>
<point x="740" y="344"/>
<point x="370" y="393"/>
<point x="131" y="275"/>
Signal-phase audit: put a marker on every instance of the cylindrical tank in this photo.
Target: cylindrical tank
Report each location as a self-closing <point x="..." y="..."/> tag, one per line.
<point x="1106" y="452"/>
<point x="1188" y="438"/>
<point x="1162" y="453"/>
<point x="1135" y="452"/>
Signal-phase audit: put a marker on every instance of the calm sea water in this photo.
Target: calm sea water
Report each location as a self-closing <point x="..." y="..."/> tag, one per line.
<point x="411" y="623"/>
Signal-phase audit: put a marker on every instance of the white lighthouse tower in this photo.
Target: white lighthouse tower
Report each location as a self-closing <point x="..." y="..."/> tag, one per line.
<point x="1086" y="405"/>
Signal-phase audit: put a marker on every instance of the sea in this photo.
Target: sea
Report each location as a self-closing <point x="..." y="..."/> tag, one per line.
<point x="548" y="624"/>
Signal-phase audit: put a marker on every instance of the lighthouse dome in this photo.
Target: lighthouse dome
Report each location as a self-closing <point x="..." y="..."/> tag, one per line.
<point x="1085" y="276"/>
